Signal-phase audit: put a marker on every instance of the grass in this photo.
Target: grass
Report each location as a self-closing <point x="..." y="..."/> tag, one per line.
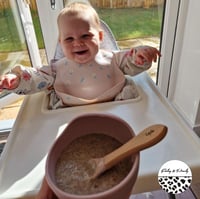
<point x="9" y="38"/>
<point x="132" y="22"/>
<point x="125" y="24"/>
<point x="38" y="31"/>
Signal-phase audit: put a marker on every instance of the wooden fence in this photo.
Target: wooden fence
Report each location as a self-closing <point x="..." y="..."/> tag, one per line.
<point x="6" y="4"/>
<point x="125" y="3"/>
<point x="101" y="3"/>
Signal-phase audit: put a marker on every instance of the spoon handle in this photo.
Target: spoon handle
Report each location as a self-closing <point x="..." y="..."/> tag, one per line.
<point x="146" y="138"/>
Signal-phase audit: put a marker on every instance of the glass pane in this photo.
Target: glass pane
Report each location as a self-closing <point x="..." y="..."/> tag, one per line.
<point x="38" y="31"/>
<point x="133" y="23"/>
<point x="13" y="49"/>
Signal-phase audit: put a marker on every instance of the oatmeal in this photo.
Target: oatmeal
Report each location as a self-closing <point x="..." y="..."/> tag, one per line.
<point x="73" y="171"/>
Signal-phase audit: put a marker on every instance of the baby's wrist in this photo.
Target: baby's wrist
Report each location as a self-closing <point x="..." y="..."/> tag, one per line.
<point x="13" y="72"/>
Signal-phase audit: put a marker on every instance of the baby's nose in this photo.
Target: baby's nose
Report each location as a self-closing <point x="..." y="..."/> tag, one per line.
<point x="78" y="43"/>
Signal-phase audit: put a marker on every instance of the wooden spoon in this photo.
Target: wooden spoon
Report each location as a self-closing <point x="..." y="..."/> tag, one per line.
<point x="148" y="137"/>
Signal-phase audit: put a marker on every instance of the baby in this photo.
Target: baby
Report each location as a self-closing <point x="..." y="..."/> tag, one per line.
<point x="87" y="74"/>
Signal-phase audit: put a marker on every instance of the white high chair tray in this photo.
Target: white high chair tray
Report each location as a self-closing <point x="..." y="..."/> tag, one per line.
<point x="23" y="159"/>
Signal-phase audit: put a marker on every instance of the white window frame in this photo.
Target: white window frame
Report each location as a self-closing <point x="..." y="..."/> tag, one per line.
<point x="178" y="77"/>
<point x="29" y="31"/>
<point x="167" y="44"/>
<point x="48" y="20"/>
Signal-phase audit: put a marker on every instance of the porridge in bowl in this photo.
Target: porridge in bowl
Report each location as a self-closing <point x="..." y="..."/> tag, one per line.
<point x="73" y="172"/>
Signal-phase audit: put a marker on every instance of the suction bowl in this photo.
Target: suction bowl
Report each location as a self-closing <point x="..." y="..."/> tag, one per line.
<point x="83" y="125"/>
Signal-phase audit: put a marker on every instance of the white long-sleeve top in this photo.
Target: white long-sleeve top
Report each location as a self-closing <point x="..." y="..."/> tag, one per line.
<point x="70" y="83"/>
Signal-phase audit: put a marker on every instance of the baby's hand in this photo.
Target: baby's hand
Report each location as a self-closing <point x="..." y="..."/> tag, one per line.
<point x="9" y="81"/>
<point x="146" y="54"/>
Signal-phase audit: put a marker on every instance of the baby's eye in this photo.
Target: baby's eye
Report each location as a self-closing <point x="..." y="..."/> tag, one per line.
<point x="69" y="39"/>
<point x="86" y="36"/>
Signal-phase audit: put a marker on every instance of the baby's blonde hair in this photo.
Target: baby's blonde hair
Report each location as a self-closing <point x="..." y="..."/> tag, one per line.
<point x="75" y="8"/>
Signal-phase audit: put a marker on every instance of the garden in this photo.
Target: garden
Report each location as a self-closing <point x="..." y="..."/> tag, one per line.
<point x="126" y="23"/>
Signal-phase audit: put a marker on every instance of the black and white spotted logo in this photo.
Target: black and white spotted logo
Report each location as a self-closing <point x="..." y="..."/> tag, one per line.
<point x="175" y="177"/>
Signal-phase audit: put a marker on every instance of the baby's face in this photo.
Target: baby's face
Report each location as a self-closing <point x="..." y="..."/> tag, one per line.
<point x="79" y="38"/>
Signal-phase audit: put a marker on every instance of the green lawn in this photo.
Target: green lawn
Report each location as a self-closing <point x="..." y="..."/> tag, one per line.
<point x="9" y="38"/>
<point x="132" y="22"/>
<point x="125" y="24"/>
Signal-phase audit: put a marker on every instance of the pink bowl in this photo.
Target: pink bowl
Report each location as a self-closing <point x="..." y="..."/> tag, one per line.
<point x="85" y="124"/>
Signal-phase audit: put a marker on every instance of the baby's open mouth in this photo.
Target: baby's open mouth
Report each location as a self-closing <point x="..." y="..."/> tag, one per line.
<point x="81" y="52"/>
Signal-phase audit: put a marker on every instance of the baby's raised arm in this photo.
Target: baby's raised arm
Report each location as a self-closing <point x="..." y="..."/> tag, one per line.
<point x="136" y="60"/>
<point x="9" y="81"/>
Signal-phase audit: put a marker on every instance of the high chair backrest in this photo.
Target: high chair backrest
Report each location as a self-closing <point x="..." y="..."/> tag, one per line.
<point x="108" y="43"/>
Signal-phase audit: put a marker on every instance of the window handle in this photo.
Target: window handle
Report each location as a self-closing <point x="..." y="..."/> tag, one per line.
<point x="53" y="4"/>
